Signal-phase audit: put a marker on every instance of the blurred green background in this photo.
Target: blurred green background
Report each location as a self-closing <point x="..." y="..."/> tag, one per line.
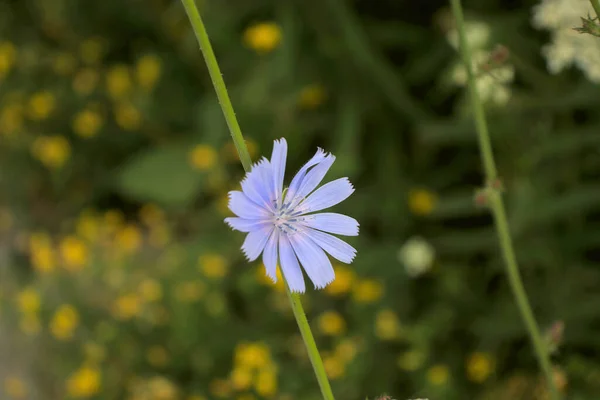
<point x="119" y="279"/>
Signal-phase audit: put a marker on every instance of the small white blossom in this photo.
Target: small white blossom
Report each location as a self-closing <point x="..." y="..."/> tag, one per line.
<point x="417" y="256"/>
<point x="478" y="35"/>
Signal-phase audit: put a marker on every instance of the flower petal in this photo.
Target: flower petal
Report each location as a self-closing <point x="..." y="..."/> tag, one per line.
<point x="332" y="223"/>
<point x="255" y="242"/>
<point x="270" y="255"/>
<point x="337" y="248"/>
<point x="246" y="225"/>
<point x="243" y="207"/>
<point x="278" y="158"/>
<point x="299" y="177"/>
<point x="257" y="184"/>
<point x="326" y="196"/>
<point x="314" y="261"/>
<point x="289" y="265"/>
<point x="314" y="177"/>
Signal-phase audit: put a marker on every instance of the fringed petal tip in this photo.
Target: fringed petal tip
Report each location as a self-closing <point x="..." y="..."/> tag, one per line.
<point x="324" y="285"/>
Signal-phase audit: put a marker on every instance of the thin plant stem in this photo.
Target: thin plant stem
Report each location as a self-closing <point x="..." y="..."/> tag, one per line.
<point x="596" y="5"/>
<point x="238" y="139"/>
<point x="498" y="210"/>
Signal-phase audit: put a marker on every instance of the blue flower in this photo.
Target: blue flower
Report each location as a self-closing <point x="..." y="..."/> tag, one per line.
<point x="281" y="224"/>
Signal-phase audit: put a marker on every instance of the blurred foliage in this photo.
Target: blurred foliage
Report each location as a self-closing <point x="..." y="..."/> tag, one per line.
<point x="120" y="280"/>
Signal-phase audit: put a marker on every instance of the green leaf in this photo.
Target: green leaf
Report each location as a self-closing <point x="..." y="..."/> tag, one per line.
<point x="162" y="175"/>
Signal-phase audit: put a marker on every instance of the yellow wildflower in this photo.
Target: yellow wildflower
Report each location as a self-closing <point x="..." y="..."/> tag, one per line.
<point x="411" y="360"/>
<point x="203" y="157"/>
<point x="438" y="375"/>
<point x="14" y="387"/>
<point x="129" y="238"/>
<point x="30" y="324"/>
<point x="367" y="291"/>
<point x="312" y="96"/>
<point x="331" y="323"/>
<point x="64" y="322"/>
<point x="8" y="55"/>
<point x="189" y="292"/>
<point x="150" y="290"/>
<point x="263" y="37"/>
<point x="148" y="70"/>
<point x="213" y="265"/>
<point x="28" y="301"/>
<point x="346" y="350"/>
<point x="266" y="383"/>
<point x="11" y="119"/>
<point x="63" y="64"/>
<point x="479" y="367"/>
<point x="41" y="104"/>
<point x="334" y="367"/>
<point x="127" y="116"/>
<point x="85" y="81"/>
<point x="92" y="50"/>
<point x="52" y="151"/>
<point x="387" y="326"/>
<point x="85" y="382"/>
<point x="151" y="215"/>
<point x="159" y="236"/>
<point x="88" y="226"/>
<point x="41" y="252"/>
<point x="162" y="389"/>
<point x="344" y="277"/>
<point x="220" y="388"/>
<point x="118" y="81"/>
<point x="74" y="253"/>
<point x="252" y="355"/>
<point x="421" y="201"/>
<point x="157" y="356"/>
<point x="126" y="306"/>
<point x="87" y="123"/>
<point x="241" y="378"/>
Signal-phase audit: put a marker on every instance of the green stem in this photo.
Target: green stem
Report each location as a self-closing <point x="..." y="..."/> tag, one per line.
<point x="596" y="5"/>
<point x="238" y="139"/>
<point x="498" y="210"/>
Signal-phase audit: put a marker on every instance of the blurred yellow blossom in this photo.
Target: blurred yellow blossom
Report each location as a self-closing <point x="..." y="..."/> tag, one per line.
<point x="159" y="236"/>
<point x="28" y="301"/>
<point x="411" y="360"/>
<point x="85" y="81"/>
<point x="331" y="323"/>
<point x="334" y="367"/>
<point x="203" y="157"/>
<point x="8" y="55"/>
<point x="64" y="64"/>
<point x="148" y="70"/>
<point x="150" y="290"/>
<point x="438" y="375"/>
<point x="87" y="123"/>
<point x="41" y="253"/>
<point x="265" y="383"/>
<point x="252" y="355"/>
<point x="344" y="278"/>
<point x="127" y="116"/>
<point x="161" y="388"/>
<point x="64" y="322"/>
<point x="312" y="96"/>
<point x="126" y="306"/>
<point x="129" y="238"/>
<point x="84" y="383"/>
<point x="52" y="151"/>
<point x="189" y="292"/>
<point x="92" y="50"/>
<point x="157" y="356"/>
<point x="346" y="350"/>
<point x="41" y="105"/>
<point x="367" y="291"/>
<point x="387" y="325"/>
<point x="88" y="226"/>
<point x="74" y="253"/>
<point x="94" y="352"/>
<point x="220" y="388"/>
<point x="263" y="37"/>
<point x="30" y="324"/>
<point x="213" y="265"/>
<point x="118" y="81"/>
<point x="11" y="119"/>
<point x="241" y="378"/>
<point x="421" y="201"/>
<point x="479" y="367"/>
<point x="151" y="215"/>
<point x="14" y="387"/>
<point x="230" y="153"/>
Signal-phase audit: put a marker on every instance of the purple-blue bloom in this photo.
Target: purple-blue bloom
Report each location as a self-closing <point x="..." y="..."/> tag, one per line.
<point x="281" y="224"/>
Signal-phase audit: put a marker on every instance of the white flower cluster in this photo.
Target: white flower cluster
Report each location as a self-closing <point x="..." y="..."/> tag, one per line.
<point x="417" y="255"/>
<point x="493" y="83"/>
<point x="567" y="46"/>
